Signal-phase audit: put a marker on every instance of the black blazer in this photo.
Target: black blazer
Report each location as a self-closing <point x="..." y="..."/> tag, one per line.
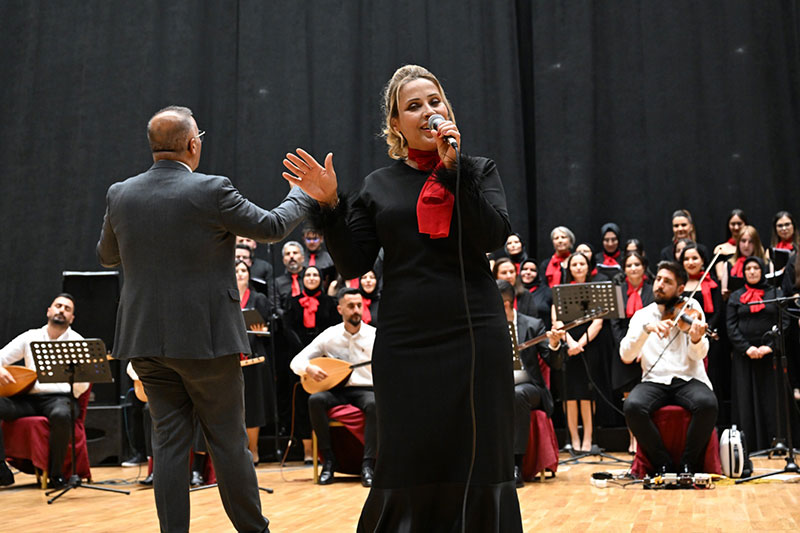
<point x="174" y="233"/>
<point x="528" y="328"/>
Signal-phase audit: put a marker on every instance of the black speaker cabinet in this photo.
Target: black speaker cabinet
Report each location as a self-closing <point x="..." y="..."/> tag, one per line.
<point x="105" y="435"/>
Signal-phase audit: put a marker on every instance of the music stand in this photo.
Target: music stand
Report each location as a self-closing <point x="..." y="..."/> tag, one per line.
<point x="71" y="361"/>
<point x="576" y="301"/>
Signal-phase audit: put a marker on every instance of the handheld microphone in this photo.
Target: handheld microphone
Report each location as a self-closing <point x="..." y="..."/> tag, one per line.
<point x="434" y="122"/>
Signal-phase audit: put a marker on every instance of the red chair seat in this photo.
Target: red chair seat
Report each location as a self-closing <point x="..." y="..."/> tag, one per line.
<point x="673" y="423"/>
<point x="27" y="443"/>
<point x="347" y="440"/>
<point x="542" y="452"/>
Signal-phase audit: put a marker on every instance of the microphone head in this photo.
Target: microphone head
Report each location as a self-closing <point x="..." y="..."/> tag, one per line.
<point x="434" y="121"/>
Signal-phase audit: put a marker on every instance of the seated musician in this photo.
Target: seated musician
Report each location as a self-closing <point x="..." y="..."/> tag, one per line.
<point x="350" y="341"/>
<point x="530" y="391"/>
<point x="52" y="400"/>
<point x="671" y="356"/>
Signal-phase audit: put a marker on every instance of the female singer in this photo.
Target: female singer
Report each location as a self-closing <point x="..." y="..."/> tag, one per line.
<point x="515" y="249"/>
<point x="753" y="377"/>
<point x="581" y="353"/>
<point x="307" y="315"/>
<point x="748" y="244"/>
<point x="524" y="303"/>
<point x="784" y="232"/>
<point x="611" y="255"/>
<point x="682" y="228"/>
<point x="422" y="358"/>
<point x="541" y="294"/>
<point x="563" y="242"/>
<point x="733" y="226"/>
<point x="370" y="297"/>
<point x="255" y="414"/>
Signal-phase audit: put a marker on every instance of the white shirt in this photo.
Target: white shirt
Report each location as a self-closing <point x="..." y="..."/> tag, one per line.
<point x="682" y="358"/>
<point x="21" y="347"/>
<point x="184" y="164"/>
<point x="339" y="343"/>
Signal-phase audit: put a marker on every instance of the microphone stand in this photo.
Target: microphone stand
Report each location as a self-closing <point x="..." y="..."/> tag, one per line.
<point x="779" y="363"/>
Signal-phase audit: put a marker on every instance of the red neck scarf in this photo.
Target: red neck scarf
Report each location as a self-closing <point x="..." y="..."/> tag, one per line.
<point x="533" y="289"/>
<point x="435" y="202"/>
<point x="705" y="290"/>
<point x="785" y="245"/>
<point x="245" y="297"/>
<point x="366" y="316"/>
<point x="634" y="298"/>
<point x="310" y="304"/>
<point x="732" y="241"/>
<point x="553" y="272"/>
<point x="611" y="260"/>
<point x="738" y="268"/>
<point x="752" y="294"/>
<point x="312" y="259"/>
<point x="295" y="286"/>
<point x="354" y="283"/>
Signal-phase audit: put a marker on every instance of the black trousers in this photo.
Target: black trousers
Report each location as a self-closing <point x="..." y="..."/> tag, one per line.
<point x="694" y="396"/>
<point x="213" y="390"/>
<point x="361" y="397"/>
<point x="56" y="408"/>
<point x="527" y="397"/>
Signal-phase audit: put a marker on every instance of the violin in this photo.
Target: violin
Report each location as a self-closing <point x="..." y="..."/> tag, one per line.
<point x="684" y="316"/>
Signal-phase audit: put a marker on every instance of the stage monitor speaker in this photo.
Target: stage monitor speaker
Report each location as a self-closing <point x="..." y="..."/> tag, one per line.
<point x="96" y="298"/>
<point x="105" y="435"/>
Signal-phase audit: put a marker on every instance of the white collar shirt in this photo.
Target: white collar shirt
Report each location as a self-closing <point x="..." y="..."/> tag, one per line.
<point x="339" y="343"/>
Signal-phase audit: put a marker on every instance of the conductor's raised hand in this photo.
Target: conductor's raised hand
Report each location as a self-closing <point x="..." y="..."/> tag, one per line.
<point x="317" y="181"/>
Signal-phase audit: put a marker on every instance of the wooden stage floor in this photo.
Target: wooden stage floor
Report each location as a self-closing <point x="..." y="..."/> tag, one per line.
<point x="566" y="503"/>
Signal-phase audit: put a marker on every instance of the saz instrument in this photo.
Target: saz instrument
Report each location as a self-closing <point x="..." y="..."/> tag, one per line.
<point x="138" y="388"/>
<point x="336" y="369"/>
<point x="24" y="377"/>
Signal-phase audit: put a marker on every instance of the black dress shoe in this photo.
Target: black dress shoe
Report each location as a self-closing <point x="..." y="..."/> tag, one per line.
<point x="56" y="482"/>
<point x="197" y="479"/>
<point x="6" y="476"/>
<point x="518" y="481"/>
<point x="148" y="480"/>
<point x="366" y="476"/>
<point x="326" y="477"/>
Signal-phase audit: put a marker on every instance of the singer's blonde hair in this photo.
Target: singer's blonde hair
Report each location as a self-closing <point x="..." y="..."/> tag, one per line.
<point x="398" y="146"/>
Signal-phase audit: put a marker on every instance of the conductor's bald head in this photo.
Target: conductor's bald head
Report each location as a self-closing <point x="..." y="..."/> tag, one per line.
<point x="173" y="134"/>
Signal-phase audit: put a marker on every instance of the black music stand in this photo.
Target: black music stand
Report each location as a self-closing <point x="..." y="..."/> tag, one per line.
<point x="580" y="300"/>
<point x="71" y="361"/>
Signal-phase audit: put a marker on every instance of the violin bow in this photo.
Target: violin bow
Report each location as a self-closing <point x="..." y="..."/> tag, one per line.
<point x="699" y="284"/>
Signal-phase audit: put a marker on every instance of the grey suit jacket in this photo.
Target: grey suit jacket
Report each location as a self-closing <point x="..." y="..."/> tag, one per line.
<point x="174" y="233"/>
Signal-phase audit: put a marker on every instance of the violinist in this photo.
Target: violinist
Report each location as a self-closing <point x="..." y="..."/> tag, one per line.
<point x="671" y="352"/>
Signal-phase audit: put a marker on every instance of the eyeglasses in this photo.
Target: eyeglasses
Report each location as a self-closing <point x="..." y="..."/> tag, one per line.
<point x="199" y="135"/>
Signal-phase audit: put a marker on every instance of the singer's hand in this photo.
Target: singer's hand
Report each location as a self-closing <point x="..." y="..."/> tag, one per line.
<point x="317" y="181"/>
<point x="764" y="351"/>
<point x="446" y="152"/>
<point x="752" y="353"/>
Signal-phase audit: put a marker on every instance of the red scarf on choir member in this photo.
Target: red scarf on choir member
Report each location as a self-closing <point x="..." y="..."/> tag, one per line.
<point x="732" y="241"/>
<point x="634" y="299"/>
<point x="354" y="283"/>
<point x="705" y="290"/>
<point x="611" y="260"/>
<point x="753" y="295"/>
<point x="366" y="316"/>
<point x="295" y="286"/>
<point x="310" y="304"/>
<point x="435" y="202"/>
<point x="533" y="289"/>
<point x="738" y="268"/>
<point x="553" y="272"/>
<point x="312" y="259"/>
<point x="785" y="245"/>
<point x="245" y="297"/>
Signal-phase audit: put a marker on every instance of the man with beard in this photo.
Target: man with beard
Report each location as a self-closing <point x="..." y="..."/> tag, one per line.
<point x="52" y="400"/>
<point x="672" y="373"/>
<point x="289" y="284"/>
<point x="350" y="341"/>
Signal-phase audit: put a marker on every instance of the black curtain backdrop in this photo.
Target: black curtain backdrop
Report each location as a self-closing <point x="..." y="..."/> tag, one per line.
<point x="594" y="111"/>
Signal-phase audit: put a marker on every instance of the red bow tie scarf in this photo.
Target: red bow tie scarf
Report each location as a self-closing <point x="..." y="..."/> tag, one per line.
<point x="435" y="202"/>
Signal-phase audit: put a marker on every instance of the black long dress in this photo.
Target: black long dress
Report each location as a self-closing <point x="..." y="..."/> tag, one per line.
<point x="421" y="358"/>
<point x="753" y="380"/>
<point x="255" y="376"/>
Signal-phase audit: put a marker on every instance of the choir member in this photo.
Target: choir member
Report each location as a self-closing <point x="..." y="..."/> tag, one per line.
<point x="538" y="289"/>
<point x="611" y="254"/>
<point x="524" y="302"/>
<point x="748" y="244"/>
<point x="563" y="242"/>
<point x="515" y="249"/>
<point x="370" y="297"/>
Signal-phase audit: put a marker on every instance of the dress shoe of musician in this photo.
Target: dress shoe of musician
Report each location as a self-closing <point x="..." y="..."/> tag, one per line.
<point x="57" y="481"/>
<point x="148" y="480"/>
<point x="197" y="479"/>
<point x="6" y="476"/>
<point x="366" y="476"/>
<point x="136" y="460"/>
<point x="518" y="481"/>
<point x="326" y="477"/>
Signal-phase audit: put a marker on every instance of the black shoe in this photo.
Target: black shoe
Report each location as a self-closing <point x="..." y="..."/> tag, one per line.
<point x="57" y="482"/>
<point x="148" y="480"/>
<point x="136" y="460"/>
<point x="326" y="477"/>
<point x="518" y="481"/>
<point x="366" y="476"/>
<point x="197" y="479"/>
<point x="6" y="476"/>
